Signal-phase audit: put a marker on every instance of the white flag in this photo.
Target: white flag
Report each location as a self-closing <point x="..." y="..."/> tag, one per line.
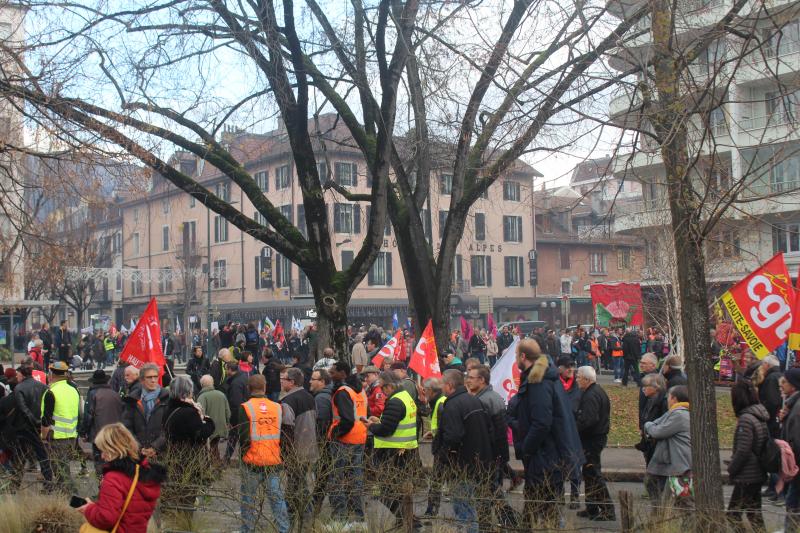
<point x="133" y="324"/>
<point x="177" y="326"/>
<point x="505" y="373"/>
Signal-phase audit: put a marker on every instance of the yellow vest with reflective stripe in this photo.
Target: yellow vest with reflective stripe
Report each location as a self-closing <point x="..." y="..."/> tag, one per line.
<point x="405" y="436"/>
<point x="66" y="410"/>
<point x="437" y="407"/>
<point x="108" y="344"/>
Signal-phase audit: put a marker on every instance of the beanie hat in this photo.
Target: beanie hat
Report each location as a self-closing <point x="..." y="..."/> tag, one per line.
<point x="793" y="376"/>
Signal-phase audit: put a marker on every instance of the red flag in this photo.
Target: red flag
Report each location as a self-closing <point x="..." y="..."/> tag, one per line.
<point x="425" y="359"/>
<point x="40" y="376"/>
<point x="389" y="350"/>
<point x="144" y="344"/>
<point x="794" y="329"/>
<point x="277" y="333"/>
<point x="466" y="329"/>
<point x="491" y="325"/>
<point x="761" y="304"/>
<point x="400" y="352"/>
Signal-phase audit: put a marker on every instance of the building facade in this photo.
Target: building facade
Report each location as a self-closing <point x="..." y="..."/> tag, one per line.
<point x="197" y="264"/>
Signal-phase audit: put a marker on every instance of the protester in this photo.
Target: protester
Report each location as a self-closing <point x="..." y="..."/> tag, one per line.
<point x="320" y="387"/>
<point x="790" y="432"/>
<point x="631" y="352"/>
<point x="396" y="443"/>
<point x="545" y="434"/>
<point x="451" y="362"/>
<point x="504" y="340"/>
<point x="672" y="455"/>
<point x="672" y="368"/>
<point x="47" y="344"/>
<point x="477" y="346"/>
<point x="143" y="411"/>
<point x="259" y="440"/>
<point x="35" y="353"/>
<point x="375" y="396"/>
<point x="61" y="412"/>
<point x="272" y="373"/>
<point x="62" y="341"/>
<point x="197" y="367"/>
<point x="127" y="477"/>
<point x="615" y="353"/>
<point x="217" y="367"/>
<point x="654" y="389"/>
<point x="103" y="407"/>
<point x="237" y="393"/>
<point x="767" y="380"/>
<point x="593" y="419"/>
<point x="347" y="435"/>
<point x="492" y="350"/>
<point x="131" y="383"/>
<point x="360" y="355"/>
<point x="215" y="405"/>
<point x="27" y="426"/>
<point x="745" y="470"/>
<point x="436" y="398"/>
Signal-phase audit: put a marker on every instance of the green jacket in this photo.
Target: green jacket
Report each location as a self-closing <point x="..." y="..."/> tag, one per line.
<point x="215" y="405"/>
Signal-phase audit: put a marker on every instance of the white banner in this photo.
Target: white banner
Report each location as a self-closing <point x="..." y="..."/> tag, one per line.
<point x="505" y="373"/>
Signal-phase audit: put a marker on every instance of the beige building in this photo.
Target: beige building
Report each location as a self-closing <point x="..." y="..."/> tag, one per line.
<point x="166" y="235"/>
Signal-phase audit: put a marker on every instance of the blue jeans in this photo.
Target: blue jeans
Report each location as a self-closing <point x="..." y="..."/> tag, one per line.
<point x="346" y="483"/>
<point x="464" y="506"/>
<point x="581" y="359"/>
<point x="269" y="479"/>
<point x="617" y="367"/>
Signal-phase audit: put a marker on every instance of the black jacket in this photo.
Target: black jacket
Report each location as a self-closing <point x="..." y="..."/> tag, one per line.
<point x="552" y="346"/>
<point x="196" y="368"/>
<point x="47" y="339"/>
<point x="594" y="415"/>
<point x="504" y="340"/>
<point x="103" y="406"/>
<point x="748" y="442"/>
<point x="675" y="377"/>
<point x="28" y="395"/>
<point x="322" y="400"/>
<point x="769" y="394"/>
<point x="394" y="411"/>
<point x="464" y="436"/>
<point x="272" y="373"/>
<point x="183" y="426"/>
<point x="345" y="407"/>
<point x="631" y="346"/>
<point x="573" y="393"/>
<point x="237" y="393"/>
<point x="147" y="431"/>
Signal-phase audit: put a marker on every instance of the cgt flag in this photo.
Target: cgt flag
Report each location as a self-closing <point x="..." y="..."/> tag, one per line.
<point x="388" y="351"/>
<point x="761" y="304"/>
<point x="794" y="330"/>
<point x="505" y="373"/>
<point x="425" y="359"/>
<point x="144" y="344"/>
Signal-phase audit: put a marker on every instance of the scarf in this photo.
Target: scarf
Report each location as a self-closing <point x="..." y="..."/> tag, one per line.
<point x="567" y="384"/>
<point x="149" y="401"/>
<point x="679" y="404"/>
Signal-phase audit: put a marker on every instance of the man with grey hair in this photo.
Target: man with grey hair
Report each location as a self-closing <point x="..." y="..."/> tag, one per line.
<point x="144" y="408"/>
<point x="217" y="368"/>
<point x="593" y="419"/>
<point x="216" y="406"/>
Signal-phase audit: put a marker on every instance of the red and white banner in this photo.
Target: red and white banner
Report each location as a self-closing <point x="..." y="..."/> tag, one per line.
<point x="389" y="350"/>
<point x="425" y="359"/>
<point x="144" y="344"/>
<point x="505" y="373"/>
<point x="617" y="304"/>
<point x="761" y="304"/>
<point x="794" y="329"/>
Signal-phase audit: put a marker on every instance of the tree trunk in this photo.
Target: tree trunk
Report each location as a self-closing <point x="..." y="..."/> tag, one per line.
<point x="332" y="325"/>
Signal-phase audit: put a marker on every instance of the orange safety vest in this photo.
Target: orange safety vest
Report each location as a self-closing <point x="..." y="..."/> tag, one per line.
<point x="595" y="347"/>
<point x="358" y="434"/>
<point x="264" y="417"/>
<point x="616" y="350"/>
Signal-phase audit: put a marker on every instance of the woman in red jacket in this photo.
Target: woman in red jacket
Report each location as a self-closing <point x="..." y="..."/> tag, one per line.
<point x="120" y="451"/>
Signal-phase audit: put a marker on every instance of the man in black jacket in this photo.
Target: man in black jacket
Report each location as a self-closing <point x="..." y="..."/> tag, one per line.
<point x="631" y="352"/>
<point x="27" y="424"/>
<point x="769" y="395"/>
<point x="103" y="406"/>
<point x="197" y="367"/>
<point x="464" y="443"/>
<point x="593" y="420"/>
<point x="504" y="340"/>
<point x="47" y="343"/>
<point x="237" y="392"/>
<point x="143" y="410"/>
<point x="62" y="341"/>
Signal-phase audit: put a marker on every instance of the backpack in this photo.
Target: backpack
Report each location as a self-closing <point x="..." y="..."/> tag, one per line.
<point x="251" y="337"/>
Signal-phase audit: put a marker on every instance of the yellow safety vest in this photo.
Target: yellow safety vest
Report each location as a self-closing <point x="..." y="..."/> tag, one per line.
<point x="435" y="416"/>
<point x="405" y="436"/>
<point x="66" y="410"/>
<point x="108" y="344"/>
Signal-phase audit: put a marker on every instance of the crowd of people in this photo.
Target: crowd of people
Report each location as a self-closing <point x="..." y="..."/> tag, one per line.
<point x="281" y="419"/>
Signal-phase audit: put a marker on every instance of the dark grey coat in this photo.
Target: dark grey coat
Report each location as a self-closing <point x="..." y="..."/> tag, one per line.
<point x="748" y="442"/>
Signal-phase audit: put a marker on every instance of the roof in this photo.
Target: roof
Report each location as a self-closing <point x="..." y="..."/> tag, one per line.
<point x="592" y="170"/>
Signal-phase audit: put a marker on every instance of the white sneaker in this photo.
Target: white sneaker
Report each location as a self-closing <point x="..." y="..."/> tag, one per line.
<point x="617" y="381"/>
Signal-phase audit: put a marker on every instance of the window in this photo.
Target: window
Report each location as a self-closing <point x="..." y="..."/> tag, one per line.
<point x="116" y="242"/>
<point x="165" y="238"/>
<point x="784" y="175"/>
<point x="287" y="212"/>
<point x="723" y="244"/>
<point x="446" y="184"/>
<point x="566" y="288"/>
<point x="118" y="282"/>
<point x="624" y="259"/>
<point x="563" y="252"/>
<point x="719" y="181"/>
<point x="778" y="43"/>
<point x="481" y="267"/>
<point x="264" y="268"/>
<point x="347" y="259"/>
<point x="322" y="170"/>
<point x="223" y="191"/>
<point x="442" y="222"/>
<point x="480" y="226"/>
<point x="283" y="272"/>
<point x="346" y="174"/>
<point x="137" y="287"/>
<point x="220" y="229"/>
<point x="282" y="177"/>
<point x="262" y="180"/>
<point x="514" y="271"/>
<point x="192" y="201"/>
<point x="512" y="228"/>
<point x="220" y="274"/>
<point x="165" y="206"/>
<point x="188" y="166"/>
<point x="597" y="263"/>
<point x="511" y="191"/>
<point x="426" y="223"/>
<point x="301" y="220"/>
<point x="135" y="244"/>
<point x="165" y="280"/>
<point x="381" y="271"/>
<point x="346" y="218"/>
<point x="458" y="268"/>
<point x="136" y="215"/>
<point x="259" y="218"/>
<point x="786" y="238"/>
<point x="716" y="121"/>
<point x="547" y="223"/>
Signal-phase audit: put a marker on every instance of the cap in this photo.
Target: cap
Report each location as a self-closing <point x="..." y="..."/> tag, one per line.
<point x="793" y="376"/>
<point x="98" y="377"/>
<point x="565" y="360"/>
<point x="398" y="366"/>
<point x="371" y="369"/>
<point x="59" y="367"/>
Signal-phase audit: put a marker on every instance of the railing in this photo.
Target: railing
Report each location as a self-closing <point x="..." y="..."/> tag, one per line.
<point x="461" y="287"/>
<point x="769" y="51"/>
<point x="773" y="119"/>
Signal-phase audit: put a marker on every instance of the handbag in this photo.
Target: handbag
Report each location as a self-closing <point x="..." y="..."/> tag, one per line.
<point x="89" y="528"/>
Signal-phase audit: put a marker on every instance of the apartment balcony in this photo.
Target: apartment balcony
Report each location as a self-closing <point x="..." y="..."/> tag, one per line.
<point x="461" y="286"/>
<point x="768" y="63"/>
<point x="646" y="214"/>
<point x="624" y="107"/>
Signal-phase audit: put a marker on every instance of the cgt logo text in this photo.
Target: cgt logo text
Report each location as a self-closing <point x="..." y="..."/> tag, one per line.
<point x="772" y="310"/>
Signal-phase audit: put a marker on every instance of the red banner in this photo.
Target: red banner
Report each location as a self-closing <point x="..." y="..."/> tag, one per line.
<point x="794" y="330"/>
<point x="425" y="359"/>
<point x="761" y="304"/>
<point x="617" y="304"/>
<point x="144" y="344"/>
